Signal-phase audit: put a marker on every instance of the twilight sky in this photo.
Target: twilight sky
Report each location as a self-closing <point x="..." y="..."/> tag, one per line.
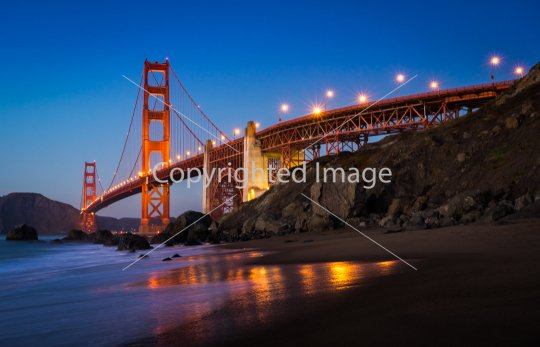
<point x="63" y="99"/>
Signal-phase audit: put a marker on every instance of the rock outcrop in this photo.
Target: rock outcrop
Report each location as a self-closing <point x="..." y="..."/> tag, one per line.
<point x="104" y="237"/>
<point x="76" y="235"/>
<point x="198" y="230"/>
<point x="22" y="233"/>
<point x="131" y="242"/>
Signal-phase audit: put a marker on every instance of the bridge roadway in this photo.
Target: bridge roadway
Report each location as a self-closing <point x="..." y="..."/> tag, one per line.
<point x="412" y="112"/>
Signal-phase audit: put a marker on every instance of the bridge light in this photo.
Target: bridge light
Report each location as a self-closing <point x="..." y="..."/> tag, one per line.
<point x="199" y="148"/>
<point x="434" y="85"/>
<point x="494" y="61"/>
<point x="519" y="71"/>
<point x="188" y="153"/>
<point x="316" y="110"/>
<point x="178" y="157"/>
<point x="329" y="95"/>
<point x="257" y="125"/>
<point x="362" y="98"/>
<point x="222" y="137"/>
<point x="236" y="131"/>
<point x="284" y="108"/>
<point x="400" y="78"/>
<point x="213" y="142"/>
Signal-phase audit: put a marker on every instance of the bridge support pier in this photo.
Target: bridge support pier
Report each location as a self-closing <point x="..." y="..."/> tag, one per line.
<point x="206" y="196"/>
<point x="255" y="165"/>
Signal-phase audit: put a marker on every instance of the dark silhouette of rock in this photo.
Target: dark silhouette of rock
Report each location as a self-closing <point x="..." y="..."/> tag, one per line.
<point x="144" y="256"/>
<point x="176" y="255"/>
<point x="76" y="235"/>
<point x="104" y="237"/>
<point x="131" y="242"/>
<point x="22" y="233"/>
<point x="57" y="241"/>
<point x="198" y="230"/>
<point x="166" y="259"/>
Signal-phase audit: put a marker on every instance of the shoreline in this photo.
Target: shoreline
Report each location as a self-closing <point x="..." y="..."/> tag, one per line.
<point x="475" y="284"/>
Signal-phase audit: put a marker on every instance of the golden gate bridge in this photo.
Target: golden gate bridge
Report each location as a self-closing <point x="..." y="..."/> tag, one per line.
<point x="167" y="126"/>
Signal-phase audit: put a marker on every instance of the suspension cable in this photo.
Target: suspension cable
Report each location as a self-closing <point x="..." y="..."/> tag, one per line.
<point x="197" y="105"/>
<point x="127" y="135"/>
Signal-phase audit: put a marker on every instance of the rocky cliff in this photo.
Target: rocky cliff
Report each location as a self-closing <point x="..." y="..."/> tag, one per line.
<point x="480" y="168"/>
<point x="49" y="216"/>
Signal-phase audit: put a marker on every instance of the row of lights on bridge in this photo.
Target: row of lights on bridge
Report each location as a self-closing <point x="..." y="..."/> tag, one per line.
<point x="399" y="79"/>
<point x="363" y="98"/>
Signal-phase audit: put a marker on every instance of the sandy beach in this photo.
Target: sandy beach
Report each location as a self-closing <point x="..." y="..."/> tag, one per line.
<point x="475" y="285"/>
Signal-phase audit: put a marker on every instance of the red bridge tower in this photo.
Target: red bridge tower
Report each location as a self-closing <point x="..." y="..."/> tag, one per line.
<point x="155" y="196"/>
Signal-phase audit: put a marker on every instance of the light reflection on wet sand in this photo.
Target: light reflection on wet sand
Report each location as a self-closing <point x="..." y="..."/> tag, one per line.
<point x="245" y="295"/>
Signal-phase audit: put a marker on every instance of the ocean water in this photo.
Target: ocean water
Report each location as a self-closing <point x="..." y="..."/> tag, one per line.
<point x="77" y="294"/>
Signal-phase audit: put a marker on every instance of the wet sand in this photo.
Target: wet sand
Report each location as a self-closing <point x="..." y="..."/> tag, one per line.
<point x="475" y="285"/>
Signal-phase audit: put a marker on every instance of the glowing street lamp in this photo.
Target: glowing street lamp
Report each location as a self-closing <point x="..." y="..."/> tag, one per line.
<point x="434" y="85"/>
<point x="519" y="71"/>
<point x="494" y="61"/>
<point x="362" y="98"/>
<point x="236" y="132"/>
<point x="222" y="137"/>
<point x="316" y="110"/>
<point x="257" y="125"/>
<point x="329" y="95"/>
<point x="284" y="108"/>
<point x="399" y="79"/>
<point x="178" y="157"/>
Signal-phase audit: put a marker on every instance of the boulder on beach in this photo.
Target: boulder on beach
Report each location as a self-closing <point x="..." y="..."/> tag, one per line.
<point x="104" y="237"/>
<point x="131" y="242"/>
<point x="197" y="232"/>
<point x="22" y="232"/>
<point x="77" y="235"/>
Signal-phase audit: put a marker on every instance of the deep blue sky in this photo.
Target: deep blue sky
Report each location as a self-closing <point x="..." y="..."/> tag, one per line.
<point x="63" y="100"/>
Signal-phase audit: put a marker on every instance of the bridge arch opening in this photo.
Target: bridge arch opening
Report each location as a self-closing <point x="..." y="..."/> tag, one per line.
<point x="226" y="194"/>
